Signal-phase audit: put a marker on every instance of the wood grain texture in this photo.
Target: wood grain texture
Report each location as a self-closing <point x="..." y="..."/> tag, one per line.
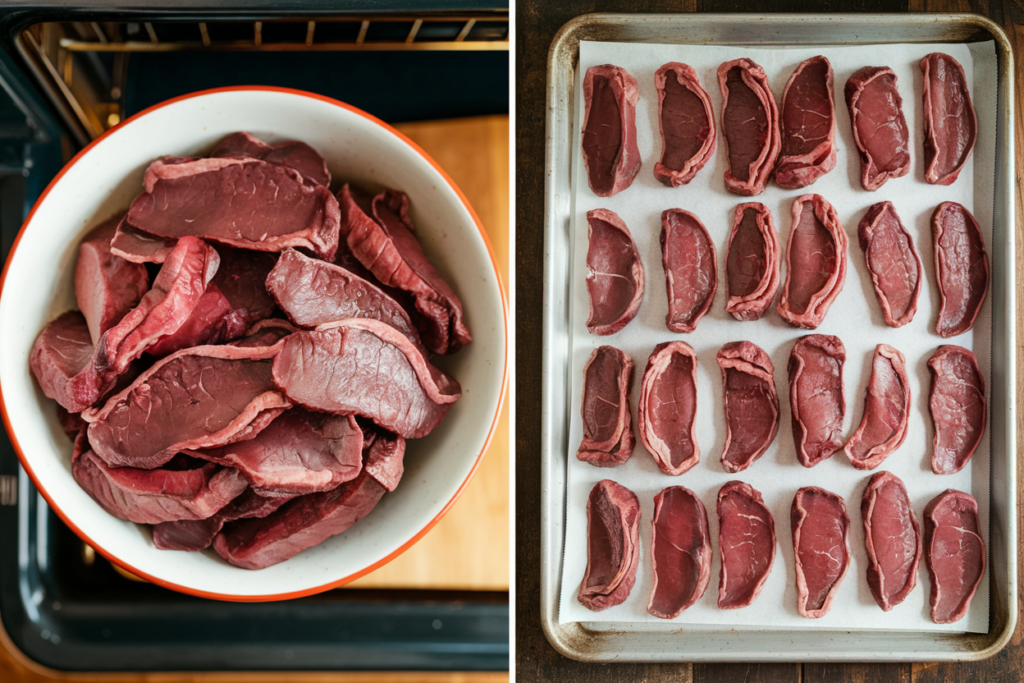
<point x="746" y="673"/>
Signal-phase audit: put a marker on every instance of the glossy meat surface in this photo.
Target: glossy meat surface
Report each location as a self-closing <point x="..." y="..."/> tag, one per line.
<point x="686" y="122"/>
<point x="883" y="427"/>
<point x="892" y="539"/>
<point x="950" y="123"/>
<point x="815" y="262"/>
<point x="680" y="552"/>
<point x="615" y="278"/>
<point x="668" y="407"/>
<point x="691" y="269"/>
<point x="816" y="397"/>
<point x="893" y="262"/>
<point x="958" y="408"/>
<point x="808" y="125"/>
<point x="610" y="152"/>
<point x="607" y="433"/>
<point x="751" y="404"/>
<point x="752" y="262"/>
<point x="293" y="154"/>
<point x="954" y="553"/>
<point x="961" y="268"/>
<point x="613" y="546"/>
<point x="750" y="123"/>
<point x="879" y="127"/>
<point x="746" y="540"/>
<point x="822" y="547"/>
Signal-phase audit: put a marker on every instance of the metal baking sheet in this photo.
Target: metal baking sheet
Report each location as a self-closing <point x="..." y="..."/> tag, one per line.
<point x="611" y="640"/>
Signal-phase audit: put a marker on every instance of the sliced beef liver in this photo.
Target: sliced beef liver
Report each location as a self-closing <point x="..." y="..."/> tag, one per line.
<point x="198" y="534"/>
<point x="879" y="127"/>
<point x="892" y="261"/>
<point x="133" y="245"/>
<point x="691" y="269"/>
<point x="615" y="278"/>
<point x="808" y="125"/>
<point x="610" y="152"/>
<point x="680" y="552"/>
<point x="686" y="123"/>
<point x="746" y="539"/>
<point x="297" y="155"/>
<point x="613" y="546"/>
<point x="957" y="406"/>
<point x="212" y="321"/>
<point x="63" y="362"/>
<point x="751" y="404"/>
<point x="961" y="268"/>
<point x="883" y="426"/>
<point x="242" y="278"/>
<point x="607" y="433"/>
<point x="950" y="123"/>
<point x="815" y="262"/>
<point x="752" y="262"/>
<point x="668" y="407"/>
<point x="816" y="397"/>
<point x="750" y="123"/>
<point x="892" y="538"/>
<point x="954" y="553"/>
<point x="266" y="332"/>
<point x="821" y="544"/>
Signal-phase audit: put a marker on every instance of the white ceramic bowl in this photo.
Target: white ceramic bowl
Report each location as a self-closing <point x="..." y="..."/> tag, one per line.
<point x="37" y="285"/>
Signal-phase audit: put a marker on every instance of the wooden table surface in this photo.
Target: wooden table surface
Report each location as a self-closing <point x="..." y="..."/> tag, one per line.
<point x="537" y="21"/>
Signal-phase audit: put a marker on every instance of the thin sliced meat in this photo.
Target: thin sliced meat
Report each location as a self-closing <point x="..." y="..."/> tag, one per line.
<point x="242" y="278"/>
<point x="808" y="125"/>
<point x="886" y="411"/>
<point x="613" y="545"/>
<point x="610" y="152"/>
<point x="668" y="407"/>
<point x="751" y="404"/>
<point x="821" y="543"/>
<point x="691" y="269"/>
<point x="961" y="268"/>
<point x="957" y="406"/>
<point x="212" y="321"/>
<point x="892" y="261"/>
<point x="133" y="245"/>
<point x="816" y="397"/>
<point x="680" y="552"/>
<point x="607" y="433"/>
<point x="750" y="122"/>
<point x="746" y="539"/>
<point x="615" y="281"/>
<point x="950" y="123"/>
<point x="198" y="534"/>
<point x="752" y="262"/>
<point x="892" y="538"/>
<point x="686" y="123"/>
<point x="63" y="362"/>
<point x="815" y="262"/>
<point x="954" y="554"/>
<point x="266" y="332"/>
<point x="297" y="155"/>
<point x="879" y="127"/>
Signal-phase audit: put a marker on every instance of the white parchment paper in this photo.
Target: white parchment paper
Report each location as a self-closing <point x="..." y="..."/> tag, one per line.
<point x="855" y="317"/>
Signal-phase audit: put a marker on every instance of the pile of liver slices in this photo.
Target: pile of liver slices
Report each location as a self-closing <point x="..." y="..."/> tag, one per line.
<point x="250" y="353"/>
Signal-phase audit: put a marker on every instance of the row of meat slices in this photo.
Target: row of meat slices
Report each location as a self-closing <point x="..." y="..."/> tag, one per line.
<point x="816" y="256"/>
<point x="954" y="549"/>
<point x="668" y="406"/>
<point x="796" y="142"/>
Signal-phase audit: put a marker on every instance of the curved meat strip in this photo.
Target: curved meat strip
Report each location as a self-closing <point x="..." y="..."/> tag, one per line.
<point x="957" y="405"/>
<point x="750" y="122"/>
<point x="680" y="552"/>
<point x="691" y="269"/>
<point x="815" y="262"/>
<point x="615" y="281"/>
<point x="816" y="397"/>
<point x="668" y="406"/>
<point x="961" y="268"/>
<point x="610" y="153"/>
<point x="607" y="434"/>
<point x="892" y="261"/>
<point x="821" y="543"/>
<point x="293" y="154"/>
<point x="751" y="404"/>
<point x="886" y="411"/>
<point x="746" y="539"/>
<point x="752" y="262"/>
<point x="879" y="128"/>
<point x="954" y="554"/>
<point x="808" y="125"/>
<point x="950" y="123"/>
<point x="686" y="122"/>
<point x="63" y="361"/>
<point x="892" y="538"/>
<point x="613" y="545"/>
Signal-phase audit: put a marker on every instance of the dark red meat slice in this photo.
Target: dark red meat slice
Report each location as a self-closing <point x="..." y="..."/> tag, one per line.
<point x="242" y="278"/>
<point x="266" y="332"/>
<point x="691" y="269"/>
<point x="133" y="245"/>
<point x="607" y="433"/>
<point x="71" y="423"/>
<point x="751" y="404"/>
<point x="961" y="268"/>
<point x="821" y="543"/>
<point x="198" y="534"/>
<point x="892" y="261"/>
<point x="668" y="406"/>
<point x="610" y="153"/>
<point x="63" y="362"/>
<point x="613" y="545"/>
<point x="752" y="262"/>
<point x="750" y="122"/>
<point x="886" y="411"/>
<point x="686" y="122"/>
<point x="211" y="322"/>
<point x="297" y="155"/>
<point x="746" y="539"/>
<point x="816" y="397"/>
<point x="815" y="262"/>
<point x="958" y="409"/>
<point x="879" y="128"/>
<point x="680" y="552"/>
<point x="892" y="537"/>
<point x="615" y="281"/>
<point x="950" y="123"/>
<point x="808" y="125"/>
<point x="954" y="554"/>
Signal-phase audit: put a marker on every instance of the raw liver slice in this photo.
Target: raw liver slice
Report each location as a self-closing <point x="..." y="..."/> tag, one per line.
<point x="892" y="538"/>
<point x="950" y="123"/>
<point x="212" y="321"/>
<point x="63" y="362"/>
<point x="680" y="552"/>
<point x="746" y="540"/>
<point x="751" y="404"/>
<point x="815" y="262"/>
<point x="816" y="397"/>
<point x="886" y="411"/>
<point x="242" y="278"/>
<point x="133" y="245"/>
<point x="297" y="155"/>
<point x="610" y="152"/>
<point x="615" y="281"/>
<point x="668" y="407"/>
<point x="961" y="268"/>
<point x="750" y="123"/>
<point x="691" y="269"/>
<point x="808" y="125"/>
<point x="613" y="545"/>
<point x="752" y="262"/>
<point x="686" y="123"/>
<point x="879" y="128"/>
<point x="607" y="434"/>
<point x="957" y="406"/>
<point x="194" y="535"/>
<point x="892" y="261"/>
<point x="821" y="544"/>
<point x="954" y="553"/>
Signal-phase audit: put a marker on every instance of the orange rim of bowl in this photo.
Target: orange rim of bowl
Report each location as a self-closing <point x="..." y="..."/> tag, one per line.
<point x="422" y="532"/>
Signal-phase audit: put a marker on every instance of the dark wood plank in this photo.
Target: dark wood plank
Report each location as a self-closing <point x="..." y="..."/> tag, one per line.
<point x="746" y="673"/>
<point x="856" y="673"/>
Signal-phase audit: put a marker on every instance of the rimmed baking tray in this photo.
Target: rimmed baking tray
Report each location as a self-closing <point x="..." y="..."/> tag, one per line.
<point x="628" y="642"/>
